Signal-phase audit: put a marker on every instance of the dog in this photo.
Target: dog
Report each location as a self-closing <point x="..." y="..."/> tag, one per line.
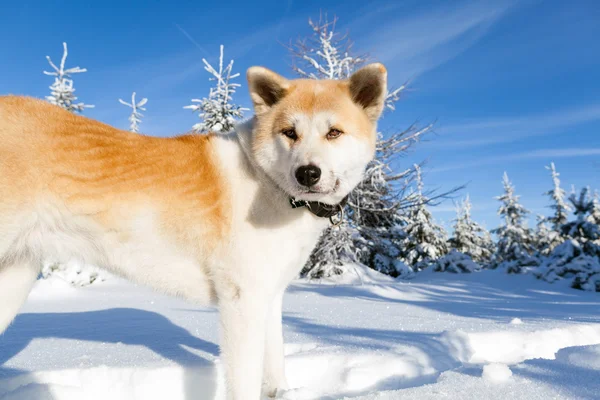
<point x="223" y="219"/>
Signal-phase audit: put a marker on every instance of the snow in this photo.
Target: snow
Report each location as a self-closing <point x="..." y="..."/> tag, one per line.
<point x="436" y="336"/>
<point x="335" y="254"/>
<point x="496" y="373"/>
<point x="563" y="378"/>
<point x="512" y="347"/>
<point x="74" y="272"/>
<point x="455" y="262"/>
<point x="354" y="274"/>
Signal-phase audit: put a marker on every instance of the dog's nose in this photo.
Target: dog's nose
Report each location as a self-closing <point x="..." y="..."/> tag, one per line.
<point x="308" y="175"/>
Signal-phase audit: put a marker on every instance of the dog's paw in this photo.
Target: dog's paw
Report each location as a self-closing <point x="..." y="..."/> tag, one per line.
<point x="274" y="382"/>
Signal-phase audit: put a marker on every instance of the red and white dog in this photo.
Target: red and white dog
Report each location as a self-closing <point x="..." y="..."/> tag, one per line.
<point x="207" y="218"/>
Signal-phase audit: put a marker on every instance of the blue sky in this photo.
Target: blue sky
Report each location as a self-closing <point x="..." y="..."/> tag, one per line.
<point x="512" y="85"/>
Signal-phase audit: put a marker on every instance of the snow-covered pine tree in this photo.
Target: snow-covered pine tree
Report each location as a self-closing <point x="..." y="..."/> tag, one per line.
<point x="595" y="214"/>
<point x="515" y="240"/>
<point x="380" y="203"/>
<point x="546" y="238"/>
<point x="136" y="116"/>
<point x="557" y="220"/>
<point x="424" y="241"/>
<point x="336" y="254"/>
<point x="455" y="262"/>
<point x="326" y="54"/>
<point x="584" y="228"/>
<point x="557" y="196"/>
<point x="375" y="206"/>
<point x="469" y="237"/>
<point x="62" y="91"/>
<point x="217" y="111"/>
<point x="376" y="209"/>
<point x="578" y="257"/>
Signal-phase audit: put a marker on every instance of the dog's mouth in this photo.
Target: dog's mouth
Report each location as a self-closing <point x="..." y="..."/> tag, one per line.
<point x="317" y="191"/>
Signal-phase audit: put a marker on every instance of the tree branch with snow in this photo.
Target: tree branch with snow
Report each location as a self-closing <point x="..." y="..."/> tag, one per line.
<point x="217" y="111"/>
<point x="62" y="90"/>
<point x="135" y="117"/>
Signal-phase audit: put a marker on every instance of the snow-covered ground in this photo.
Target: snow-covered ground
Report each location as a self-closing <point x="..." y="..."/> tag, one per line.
<point x="470" y="336"/>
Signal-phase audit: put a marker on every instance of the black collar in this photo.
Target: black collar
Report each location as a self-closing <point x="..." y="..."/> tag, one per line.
<point x="323" y="210"/>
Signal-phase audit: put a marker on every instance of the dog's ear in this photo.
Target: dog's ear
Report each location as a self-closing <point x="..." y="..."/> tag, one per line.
<point x="368" y="87"/>
<point x="266" y="88"/>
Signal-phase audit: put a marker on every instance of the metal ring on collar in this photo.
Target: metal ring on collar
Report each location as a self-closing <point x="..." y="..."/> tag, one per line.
<point x="340" y="218"/>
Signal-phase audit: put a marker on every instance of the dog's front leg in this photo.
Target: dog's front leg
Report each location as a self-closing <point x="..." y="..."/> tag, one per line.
<point x="274" y="373"/>
<point x="243" y="343"/>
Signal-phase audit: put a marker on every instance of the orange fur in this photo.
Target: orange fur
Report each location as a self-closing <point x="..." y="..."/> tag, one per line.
<point x="99" y="172"/>
<point x="307" y="96"/>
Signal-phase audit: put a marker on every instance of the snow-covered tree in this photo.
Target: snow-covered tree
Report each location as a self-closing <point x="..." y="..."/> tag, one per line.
<point x="136" y="116"/>
<point x="515" y="240"/>
<point x="557" y="196"/>
<point x="62" y="91"/>
<point x="546" y="238"/>
<point x="595" y="213"/>
<point x="469" y="237"/>
<point x="335" y="254"/>
<point x="326" y="54"/>
<point x="377" y="204"/>
<point x="455" y="262"/>
<point x="578" y="257"/>
<point x="584" y="228"/>
<point x="217" y="111"/>
<point x="569" y="260"/>
<point x="424" y="241"/>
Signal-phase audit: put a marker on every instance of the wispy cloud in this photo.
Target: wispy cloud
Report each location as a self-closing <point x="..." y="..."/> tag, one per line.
<point x="528" y="155"/>
<point x="192" y="40"/>
<point x="502" y="130"/>
<point x="173" y="68"/>
<point x="418" y="42"/>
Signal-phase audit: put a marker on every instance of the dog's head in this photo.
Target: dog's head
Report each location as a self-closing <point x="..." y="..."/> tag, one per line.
<point x="314" y="138"/>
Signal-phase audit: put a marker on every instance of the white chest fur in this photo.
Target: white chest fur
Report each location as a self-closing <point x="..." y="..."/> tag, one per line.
<point x="270" y="241"/>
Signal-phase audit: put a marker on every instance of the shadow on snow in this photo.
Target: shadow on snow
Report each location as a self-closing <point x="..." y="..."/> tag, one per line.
<point x="115" y="325"/>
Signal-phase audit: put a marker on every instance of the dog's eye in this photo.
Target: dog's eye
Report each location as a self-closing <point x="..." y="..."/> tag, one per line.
<point x="290" y="133"/>
<point x="334" y="133"/>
